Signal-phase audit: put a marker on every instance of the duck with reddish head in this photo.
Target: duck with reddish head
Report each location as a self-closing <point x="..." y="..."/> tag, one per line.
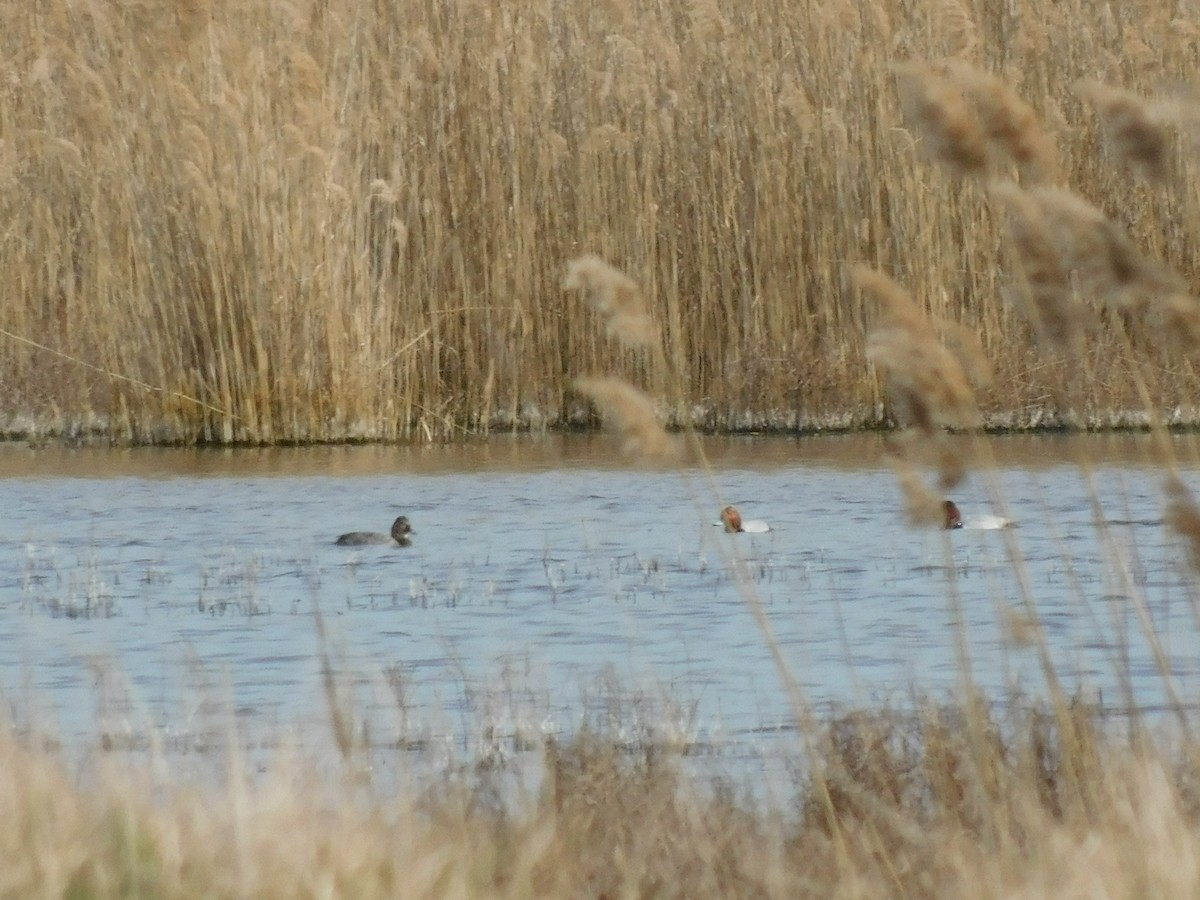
<point x="734" y="523"/>
<point x="981" y="522"/>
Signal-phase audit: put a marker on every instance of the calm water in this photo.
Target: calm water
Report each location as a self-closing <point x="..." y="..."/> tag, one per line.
<point x="548" y="583"/>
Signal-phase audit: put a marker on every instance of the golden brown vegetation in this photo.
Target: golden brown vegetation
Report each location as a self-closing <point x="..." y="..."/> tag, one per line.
<point x="320" y="221"/>
<point x="937" y="803"/>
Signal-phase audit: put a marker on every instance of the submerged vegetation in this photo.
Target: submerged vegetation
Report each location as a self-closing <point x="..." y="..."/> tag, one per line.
<point x="326" y="221"/>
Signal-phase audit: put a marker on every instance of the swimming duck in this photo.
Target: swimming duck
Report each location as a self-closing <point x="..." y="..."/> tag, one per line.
<point x="733" y="522"/>
<point x="401" y="531"/>
<point x="982" y="522"/>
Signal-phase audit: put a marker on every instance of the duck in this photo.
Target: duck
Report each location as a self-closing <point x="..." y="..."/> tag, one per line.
<point x="733" y="522"/>
<point x="400" y="536"/>
<point x="982" y="522"/>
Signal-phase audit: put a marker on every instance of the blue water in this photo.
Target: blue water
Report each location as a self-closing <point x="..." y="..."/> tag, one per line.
<point x="159" y="591"/>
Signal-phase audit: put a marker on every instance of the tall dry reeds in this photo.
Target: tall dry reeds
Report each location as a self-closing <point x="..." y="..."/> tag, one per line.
<point x="323" y="221"/>
<point x="1082" y="280"/>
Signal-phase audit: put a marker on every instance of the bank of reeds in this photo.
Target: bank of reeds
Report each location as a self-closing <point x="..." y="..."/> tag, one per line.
<point x="321" y="221"/>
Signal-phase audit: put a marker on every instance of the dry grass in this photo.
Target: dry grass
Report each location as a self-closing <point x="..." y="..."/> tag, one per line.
<point x="946" y="801"/>
<point x="330" y="221"/>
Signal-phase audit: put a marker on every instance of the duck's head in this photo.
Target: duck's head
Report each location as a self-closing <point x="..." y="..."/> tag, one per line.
<point x="401" y="530"/>
<point x="953" y="518"/>
<point x="731" y="519"/>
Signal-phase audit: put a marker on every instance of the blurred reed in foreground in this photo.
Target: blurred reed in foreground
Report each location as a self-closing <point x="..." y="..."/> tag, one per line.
<point x="890" y="804"/>
<point x="633" y="414"/>
<point x="329" y="221"/>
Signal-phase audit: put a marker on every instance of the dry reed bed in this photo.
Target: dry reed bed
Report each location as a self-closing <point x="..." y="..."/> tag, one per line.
<point x="948" y="803"/>
<point x="319" y="221"/>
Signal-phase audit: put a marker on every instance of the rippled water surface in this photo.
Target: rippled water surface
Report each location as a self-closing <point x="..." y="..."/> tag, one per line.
<point x="548" y="581"/>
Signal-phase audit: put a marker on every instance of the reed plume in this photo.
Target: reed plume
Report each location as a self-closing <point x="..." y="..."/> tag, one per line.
<point x="1134" y="130"/>
<point x="953" y="22"/>
<point x="923" y="506"/>
<point x="708" y="24"/>
<point x="967" y="348"/>
<point x="1176" y="317"/>
<point x="936" y="110"/>
<point x="1102" y="256"/>
<point x="1010" y="126"/>
<point x="1183" y="516"/>
<point x="925" y="382"/>
<point x="633" y="415"/>
<point x="1181" y="108"/>
<point x="1056" y="233"/>
<point x="1050" y="304"/>
<point x="616" y="298"/>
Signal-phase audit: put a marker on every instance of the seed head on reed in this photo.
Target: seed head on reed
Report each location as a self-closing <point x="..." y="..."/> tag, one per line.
<point x="925" y="382"/>
<point x="617" y="12"/>
<point x="1109" y="265"/>
<point x="794" y="100"/>
<point x="708" y="24"/>
<point x="1009" y="124"/>
<point x="967" y="348"/>
<point x="633" y="415"/>
<point x="1176" y="317"/>
<point x="616" y="297"/>
<point x="924" y="507"/>
<point x="954" y="23"/>
<point x="1183" y="515"/>
<point x="1133" y="129"/>
<point x="935" y="109"/>
<point x="1102" y="256"/>
<point x="1020" y="626"/>
<point x="1051" y="306"/>
<point x="428" y="65"/>
<point x="1181" y="107"/>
